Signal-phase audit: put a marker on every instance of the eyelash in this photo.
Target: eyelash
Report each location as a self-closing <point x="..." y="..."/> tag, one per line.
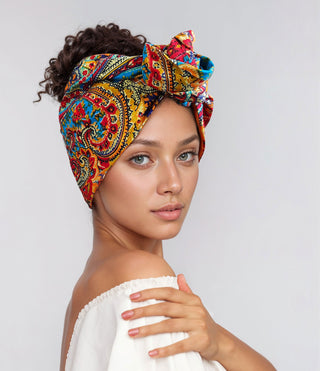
<point x="193" y="153"/>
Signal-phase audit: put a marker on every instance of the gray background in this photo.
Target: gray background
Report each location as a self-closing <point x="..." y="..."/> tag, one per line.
<point x="250" y="244"/>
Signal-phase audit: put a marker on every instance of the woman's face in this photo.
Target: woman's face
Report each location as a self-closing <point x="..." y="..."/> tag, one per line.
<point x="159" y="170"/>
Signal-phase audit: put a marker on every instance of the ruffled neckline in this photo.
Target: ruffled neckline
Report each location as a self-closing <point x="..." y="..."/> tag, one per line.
<point x="131" y="285"/>
<point x="117" y="290"/>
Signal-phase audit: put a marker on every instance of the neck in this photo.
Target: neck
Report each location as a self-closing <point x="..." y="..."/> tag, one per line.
<point x="109" y="239"/>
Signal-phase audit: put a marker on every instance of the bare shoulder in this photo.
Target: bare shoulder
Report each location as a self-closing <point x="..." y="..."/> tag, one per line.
<point x="122" y="267"/>
<point x="141" y="264"/>
<point x="128" y="266"/>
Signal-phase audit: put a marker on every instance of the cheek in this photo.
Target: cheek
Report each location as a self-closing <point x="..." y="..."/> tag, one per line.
<point x="191" y="180"/>
<point x="125" y="193"/>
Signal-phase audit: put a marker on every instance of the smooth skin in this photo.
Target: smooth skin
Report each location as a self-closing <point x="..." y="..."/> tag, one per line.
<point x="160" y="167"/>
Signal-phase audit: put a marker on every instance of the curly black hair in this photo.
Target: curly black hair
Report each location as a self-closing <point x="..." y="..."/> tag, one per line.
<point x="101" y="39"/>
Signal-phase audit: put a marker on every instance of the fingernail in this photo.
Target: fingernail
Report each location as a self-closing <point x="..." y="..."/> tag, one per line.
<point x="133" y="331"/>
<point x="135" y="296"/>
<point x="128" y="314"/>
<point x="153" y="352"/>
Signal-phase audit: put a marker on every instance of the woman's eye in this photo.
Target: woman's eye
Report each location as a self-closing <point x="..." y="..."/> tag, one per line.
<point x="187" y="156"/>
<point x="140" y="159"/>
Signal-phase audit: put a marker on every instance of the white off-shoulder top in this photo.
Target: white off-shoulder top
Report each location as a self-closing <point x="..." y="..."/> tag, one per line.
<point x="100" y="340"/>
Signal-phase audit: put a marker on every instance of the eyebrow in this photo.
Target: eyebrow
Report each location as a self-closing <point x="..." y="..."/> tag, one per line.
<point x="155" y="143"/>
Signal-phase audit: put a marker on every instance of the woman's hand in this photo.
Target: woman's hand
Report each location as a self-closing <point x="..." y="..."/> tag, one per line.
<point x="187" y="314"/>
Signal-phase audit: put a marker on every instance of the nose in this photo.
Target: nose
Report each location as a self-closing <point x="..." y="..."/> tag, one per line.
<point x="169" y="179"/>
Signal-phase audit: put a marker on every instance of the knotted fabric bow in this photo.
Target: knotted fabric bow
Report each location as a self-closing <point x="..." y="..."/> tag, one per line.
<point x="109" y="98"/>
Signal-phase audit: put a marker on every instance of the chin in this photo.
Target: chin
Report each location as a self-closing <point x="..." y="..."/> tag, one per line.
<point x="168" y="237"/>
<point x="170" y="232"/>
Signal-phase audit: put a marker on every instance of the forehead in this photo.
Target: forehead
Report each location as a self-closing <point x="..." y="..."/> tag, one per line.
<point x="169" y="120"/>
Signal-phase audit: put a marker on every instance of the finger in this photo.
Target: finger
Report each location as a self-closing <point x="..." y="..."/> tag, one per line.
<point x="182" y="282"/>
<point x="169" y="294"/>
<point x="165" y="326"/>
<point x="178" y="347"/>
<point x="174" y="310"/>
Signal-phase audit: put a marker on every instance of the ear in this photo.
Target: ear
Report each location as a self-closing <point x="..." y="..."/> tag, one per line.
<point x="183" y="286"/>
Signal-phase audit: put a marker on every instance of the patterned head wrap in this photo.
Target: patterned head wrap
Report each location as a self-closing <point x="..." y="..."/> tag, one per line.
<point x="109" y="98"/>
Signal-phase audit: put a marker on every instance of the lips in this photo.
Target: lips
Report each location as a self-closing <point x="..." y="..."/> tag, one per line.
<point x="170" y="207"/>
<point x="169" y="212"/>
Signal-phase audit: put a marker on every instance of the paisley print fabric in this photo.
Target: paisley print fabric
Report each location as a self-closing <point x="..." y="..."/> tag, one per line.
<point x="109" y="98"/>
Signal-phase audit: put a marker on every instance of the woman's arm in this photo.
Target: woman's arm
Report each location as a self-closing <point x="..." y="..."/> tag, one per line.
<point x="188" y="314"/>
<point x="235" y="355"/>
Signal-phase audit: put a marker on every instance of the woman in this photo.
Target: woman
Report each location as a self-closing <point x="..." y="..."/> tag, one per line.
<point x="132" y="116"/>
